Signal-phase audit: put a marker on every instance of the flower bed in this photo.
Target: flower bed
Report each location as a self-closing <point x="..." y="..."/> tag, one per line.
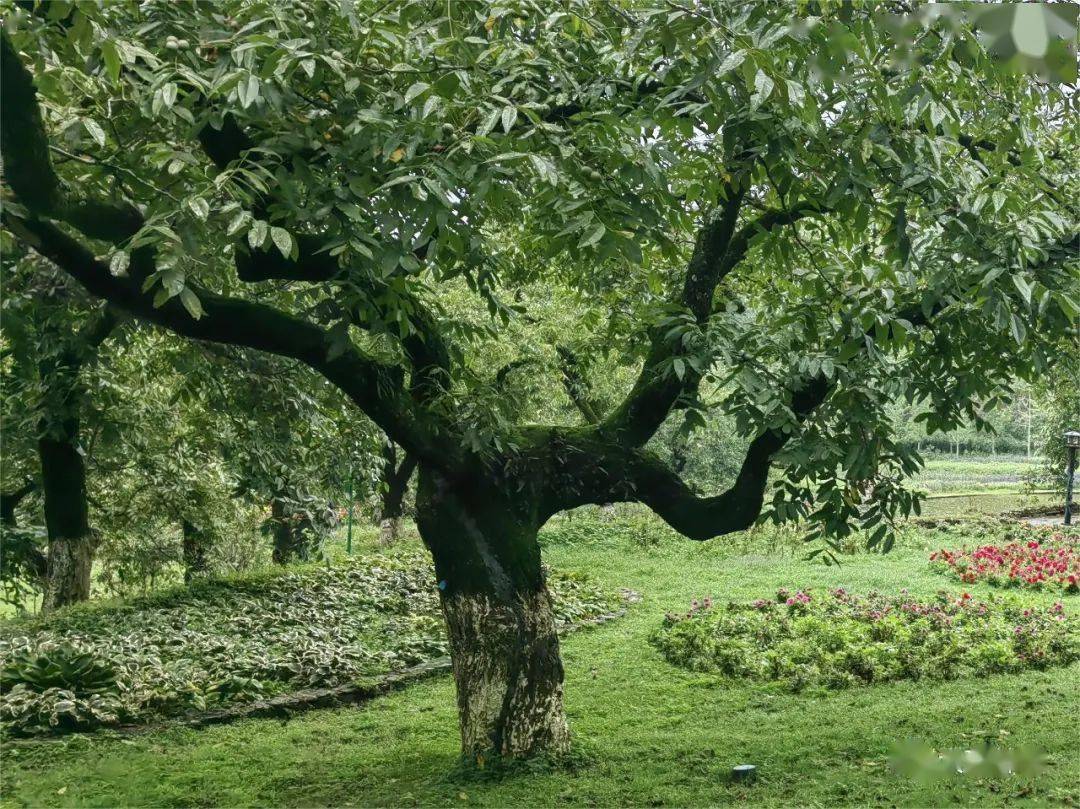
<point x="1030" y="557"/>
<point x="836" y="640"/>
<point x="221" y="643"/>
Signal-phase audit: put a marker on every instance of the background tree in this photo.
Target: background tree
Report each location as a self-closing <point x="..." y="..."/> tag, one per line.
<point x="767" y="199"/>
<point x="53" y="333"/>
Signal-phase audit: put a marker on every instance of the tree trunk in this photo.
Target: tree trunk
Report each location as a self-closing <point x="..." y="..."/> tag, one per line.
<point x="196" y="545"/>
<point x="395" y="485"/>
<point x="286" y="542"/>
<point x="71" y="543"/>
<point x="503" y="642"/>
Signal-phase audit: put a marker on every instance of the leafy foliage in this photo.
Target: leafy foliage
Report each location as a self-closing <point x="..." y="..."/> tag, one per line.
<point x="838" y="640"/>
<point x="231" y="641"/>
<point x="395" y="156"/>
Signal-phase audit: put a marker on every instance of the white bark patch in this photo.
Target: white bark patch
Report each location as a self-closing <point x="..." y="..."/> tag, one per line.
<point x="508" y="674"/>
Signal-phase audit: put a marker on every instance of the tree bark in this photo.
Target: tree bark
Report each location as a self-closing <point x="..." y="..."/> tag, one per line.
<point x="290" y="534"/>
<point x="71" y="542"/>
<point x="196" y="545"/>
<point x="395" y="485"/>
<point x="503" y="642"/>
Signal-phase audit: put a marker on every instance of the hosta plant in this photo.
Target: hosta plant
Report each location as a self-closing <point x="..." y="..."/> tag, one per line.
<point x="228" y="642"/>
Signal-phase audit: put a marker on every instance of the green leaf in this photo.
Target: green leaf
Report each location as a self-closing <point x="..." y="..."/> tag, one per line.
<point x="903" y="241"/>
<point x="119" y="263"/>
<point x="1017" y="329"/>
<point x="509" y="116"/>
<point x="94" y="130"/>
<point x="257" y="234"/>
<point x="200" y="207"/>
<point x="110" y="55"/>
<point x="191" y="303"/>
<point x="168" y="94"/>
<point x="1023" y="287"/>
<point x="732" y="61"/>
<point x="237" y="223"/>
<point x="593" y="236"/>
<point x="763" y="86"/>
<point x="489" y="123"/>
<point x="248" y="92"/>
<point x="796" y="93"/>
<point x="282" y="240"/>
<point x="416" y="90"/>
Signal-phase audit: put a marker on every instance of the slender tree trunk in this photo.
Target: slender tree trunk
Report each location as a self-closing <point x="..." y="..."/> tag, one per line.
<point x="196" y="545"/>
<point x="395" y="485"/>
<point x="287" y="542"/>
<point x="292" y="532"/>
<point x="71" y="542"/>
<point x="503" y="642"/>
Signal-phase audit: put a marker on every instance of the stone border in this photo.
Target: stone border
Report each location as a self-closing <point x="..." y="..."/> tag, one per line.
<point x="284" y="706"/>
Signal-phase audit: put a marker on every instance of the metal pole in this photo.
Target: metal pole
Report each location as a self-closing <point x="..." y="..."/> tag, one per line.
<point x="1069" y="485"/>
<point x="348" y="541"/>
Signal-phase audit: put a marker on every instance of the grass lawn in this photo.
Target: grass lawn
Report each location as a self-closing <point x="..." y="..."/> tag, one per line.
<point x="649" y="733"/>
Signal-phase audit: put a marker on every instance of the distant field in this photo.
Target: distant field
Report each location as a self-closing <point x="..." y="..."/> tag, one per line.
<point x="986" y="503"/>
<point x="975" y="473"/>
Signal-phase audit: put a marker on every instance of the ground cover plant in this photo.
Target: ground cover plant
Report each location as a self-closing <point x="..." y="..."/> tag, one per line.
<point x="1016" y="556"/>
<point x="838" y="639"/>
<point x="231" y="641"/>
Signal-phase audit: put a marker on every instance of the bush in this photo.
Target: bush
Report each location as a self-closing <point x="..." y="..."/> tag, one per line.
<point x="232" y="641"/>
<point x="837" y="640"/>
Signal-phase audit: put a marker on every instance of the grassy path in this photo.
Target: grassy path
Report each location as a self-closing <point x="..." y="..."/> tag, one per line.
<point x="651" y="734"/>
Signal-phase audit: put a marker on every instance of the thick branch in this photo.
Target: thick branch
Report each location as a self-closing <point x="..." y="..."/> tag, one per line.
<point x="718" y="250"/>
<point x="372" y="386"/>
<point x="9" y="501"/>
<point x="608" y="472"/>
<point x="425" y="349"/>
<point x="28" y="169"/>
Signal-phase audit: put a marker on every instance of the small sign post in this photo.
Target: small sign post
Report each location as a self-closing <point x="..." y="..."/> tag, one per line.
<point x="348" y="541"/>
<point x="1072" y="442"/>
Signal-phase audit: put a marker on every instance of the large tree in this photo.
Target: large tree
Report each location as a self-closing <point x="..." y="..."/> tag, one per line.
<point x="796" y="216"/>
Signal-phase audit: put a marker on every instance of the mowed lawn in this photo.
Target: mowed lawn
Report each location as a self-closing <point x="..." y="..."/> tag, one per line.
<point x="647" y="733"/>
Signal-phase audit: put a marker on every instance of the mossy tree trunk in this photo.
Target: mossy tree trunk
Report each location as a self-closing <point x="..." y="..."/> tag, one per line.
<point x="71" y="542"/>
<point x="503" y="642"/>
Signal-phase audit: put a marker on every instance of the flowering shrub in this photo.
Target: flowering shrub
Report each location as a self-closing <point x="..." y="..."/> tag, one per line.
<point x="836" y="639"/>
<point x="225" y="642"/>
<point x="1033" y="558"/>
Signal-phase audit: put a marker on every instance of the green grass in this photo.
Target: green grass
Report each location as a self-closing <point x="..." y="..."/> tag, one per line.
<point x="649" y="733"/>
